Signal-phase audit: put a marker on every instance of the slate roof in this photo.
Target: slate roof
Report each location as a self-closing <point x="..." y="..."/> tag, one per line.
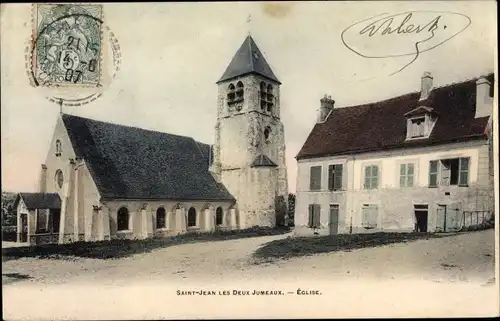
<point x="133" y="163"/>
<point x="39" y="200"/>
<point x="247" y="60"/>
<point x="262" y="160"/>
<point x="382" y="125"/>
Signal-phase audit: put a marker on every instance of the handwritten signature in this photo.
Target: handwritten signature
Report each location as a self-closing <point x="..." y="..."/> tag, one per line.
<point x="403" y="34"/>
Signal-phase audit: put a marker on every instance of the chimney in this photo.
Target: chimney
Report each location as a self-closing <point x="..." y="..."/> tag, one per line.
<point x="425" y="85"/>
<point x="484" y="102"/>
<point x="326" y="107"/>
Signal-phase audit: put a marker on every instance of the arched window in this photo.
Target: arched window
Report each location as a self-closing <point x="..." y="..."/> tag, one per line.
<point x="58" y="148"/>
<point x="230" y="93"/>
<point x="59" y="179"/>
<point x="239" y="91"/>
<point x="218" y="216"/>
<point x="161" y="216"/>
<point x="122" y="219"/>
<point x="270" y="89"/>
<point x="267" y="132"/>
<point x="191" y="217"/>
<point x="262" y="86"/>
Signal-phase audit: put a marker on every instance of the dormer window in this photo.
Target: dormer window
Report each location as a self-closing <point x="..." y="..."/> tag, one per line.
<point x="420" y="122"/>
<point x="58" y="148"/>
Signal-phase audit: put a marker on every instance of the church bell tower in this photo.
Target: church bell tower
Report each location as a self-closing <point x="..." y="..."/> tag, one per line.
<point x="249" y="149"/>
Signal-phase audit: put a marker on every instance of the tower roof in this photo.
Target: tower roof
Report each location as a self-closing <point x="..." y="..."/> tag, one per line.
<point x="262" y="161"/>
<point x="248" y="59"/>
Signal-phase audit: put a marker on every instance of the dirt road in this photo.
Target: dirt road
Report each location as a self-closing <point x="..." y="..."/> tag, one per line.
<point x="453" y="275"/>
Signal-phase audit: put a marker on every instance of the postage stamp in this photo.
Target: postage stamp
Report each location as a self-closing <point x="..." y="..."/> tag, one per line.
<point x="67" y="44"/>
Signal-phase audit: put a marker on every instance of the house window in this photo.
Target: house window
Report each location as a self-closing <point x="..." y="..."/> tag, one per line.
<point x="370" y="216"/>
<point x="161" y="218"/>
<point x="315" y="178"/>
<point x="371" y="177"/>
<point x="453" y="171"/>
<point x="314" y="215"/>
<point x="417" y="127"/>
<point x="59" y="179"/>
<point x="122" y="219"/>
<point x="191" y="217"/>
<point x="335" y="177"/>
<point x="42" y="220"/>
<point x="406" y="174"/>
<point x="58" y="148"/>
<point x="218" y="216"/>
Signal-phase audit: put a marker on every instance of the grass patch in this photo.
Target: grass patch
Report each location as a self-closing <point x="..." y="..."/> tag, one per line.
<point x="122" y="248"/>
<point x="306" y="246"/>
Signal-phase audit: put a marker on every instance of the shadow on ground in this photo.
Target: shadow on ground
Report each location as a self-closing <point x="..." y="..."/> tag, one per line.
<point x="8" y="278"/>
<point x="115" y="249"/>
<point x="291" y="247"/>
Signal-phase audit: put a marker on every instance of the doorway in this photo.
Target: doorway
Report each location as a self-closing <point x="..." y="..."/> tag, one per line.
<point x="334" y="219"/>
<point x="421" y="217"/>
<point x="24" y="228"/>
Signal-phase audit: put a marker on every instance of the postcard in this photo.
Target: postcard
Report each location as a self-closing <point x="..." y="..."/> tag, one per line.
<point x="249" y="160"/>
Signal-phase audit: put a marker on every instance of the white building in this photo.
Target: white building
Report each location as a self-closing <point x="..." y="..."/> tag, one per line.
<point x="417" y="162"/>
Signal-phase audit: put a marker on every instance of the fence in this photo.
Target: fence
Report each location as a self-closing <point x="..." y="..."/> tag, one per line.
<point x="475" y="218"/>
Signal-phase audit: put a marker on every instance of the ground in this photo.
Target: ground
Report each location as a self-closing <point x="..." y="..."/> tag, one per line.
<point x="453" y="274"/>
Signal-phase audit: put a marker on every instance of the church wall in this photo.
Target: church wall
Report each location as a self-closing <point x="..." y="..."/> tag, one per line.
<point x="61" y="162"/>
<point x="88" y="194"/>
<point x="136" y="227"/>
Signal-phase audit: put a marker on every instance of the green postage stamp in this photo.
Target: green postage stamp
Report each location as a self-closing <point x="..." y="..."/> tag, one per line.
<point x="67" y="46"/>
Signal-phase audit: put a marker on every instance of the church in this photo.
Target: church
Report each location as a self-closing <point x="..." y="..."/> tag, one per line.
<point x="103" y="181"/>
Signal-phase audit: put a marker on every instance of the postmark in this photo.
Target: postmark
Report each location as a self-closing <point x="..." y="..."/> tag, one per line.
<point x="72" y="55"/>
<point x="67" y="44"/>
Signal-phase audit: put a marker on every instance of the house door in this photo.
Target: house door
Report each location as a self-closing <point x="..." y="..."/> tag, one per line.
<point x="56" y="220"/>
<point x="421" y="217"/>
<point x="24" y="228"/>
<point x="441" y="218"/>
<point x="334" y="219"/>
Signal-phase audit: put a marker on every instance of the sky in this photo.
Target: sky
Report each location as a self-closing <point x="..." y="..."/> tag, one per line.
<point x="173" y="53"/>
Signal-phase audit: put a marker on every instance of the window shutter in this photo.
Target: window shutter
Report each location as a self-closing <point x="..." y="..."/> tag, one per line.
<point x="311" y="208"/>
<point x="315" y="178"/>
<point x="331" y="174"/>
<point x="317" y="214"/>
<point x="337" y="184"/>
<point x="433" y="173"/>
<point x="367" y="176"/>
<point x="463" y="178"/>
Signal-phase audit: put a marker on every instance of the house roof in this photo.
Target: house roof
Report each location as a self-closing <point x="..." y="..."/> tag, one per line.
<point x="133" y="163"/>
<point x="262" y="161"/>
<point x="39" y="200"/>
<point x="382" y="125"/>
<point x="247" y="60"/>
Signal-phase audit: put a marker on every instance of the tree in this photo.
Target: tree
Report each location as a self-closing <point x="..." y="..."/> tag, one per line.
<point x="8" y="210"/>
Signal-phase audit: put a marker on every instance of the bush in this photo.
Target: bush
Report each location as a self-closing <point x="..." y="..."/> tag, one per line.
<point x="9" y="233"/>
